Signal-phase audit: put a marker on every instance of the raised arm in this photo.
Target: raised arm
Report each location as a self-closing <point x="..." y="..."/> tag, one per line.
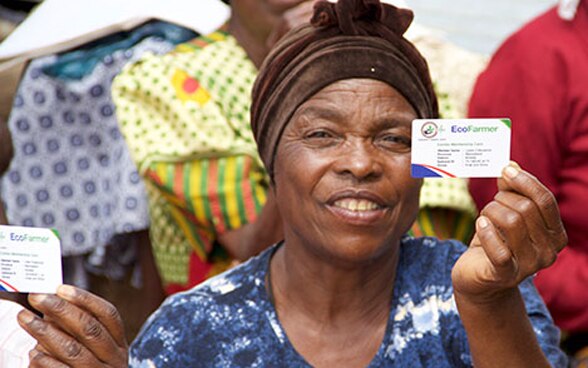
<point x="517" y="234"/>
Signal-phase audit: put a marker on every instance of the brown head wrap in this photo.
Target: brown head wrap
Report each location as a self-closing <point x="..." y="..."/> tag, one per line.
<point x="347" y="39"/>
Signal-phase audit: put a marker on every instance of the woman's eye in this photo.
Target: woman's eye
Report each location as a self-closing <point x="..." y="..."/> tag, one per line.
<point x="396" y="141"/>
<point x="319" y="134"/>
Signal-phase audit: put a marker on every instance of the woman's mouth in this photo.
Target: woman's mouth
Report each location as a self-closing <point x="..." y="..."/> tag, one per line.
<point x="357" y="208"/>
<point x="356" y="205"/>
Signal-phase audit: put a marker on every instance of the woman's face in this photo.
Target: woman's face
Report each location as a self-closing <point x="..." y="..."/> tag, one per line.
<point x="342" y="171"/>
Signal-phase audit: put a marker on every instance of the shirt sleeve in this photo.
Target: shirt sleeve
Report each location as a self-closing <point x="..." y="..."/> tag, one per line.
<point x="547" y="333"/>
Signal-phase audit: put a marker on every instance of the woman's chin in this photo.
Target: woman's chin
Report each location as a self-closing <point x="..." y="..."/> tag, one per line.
<point x="356" y="250"/>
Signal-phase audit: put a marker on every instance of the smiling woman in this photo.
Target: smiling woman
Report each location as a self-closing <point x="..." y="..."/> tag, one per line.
<point x="331" y="115"/>
<point x="346" y="151"/>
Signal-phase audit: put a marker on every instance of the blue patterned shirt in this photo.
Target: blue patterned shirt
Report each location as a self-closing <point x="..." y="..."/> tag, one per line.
<point x="229" y="320"/>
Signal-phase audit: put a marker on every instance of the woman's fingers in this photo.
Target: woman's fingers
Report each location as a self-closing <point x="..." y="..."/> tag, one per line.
<point x="495" y="248"/>
<point x="103" y="311"/>
<point x="41" y="359"/>
<point x="521" y="182"/>
<point x="523" y="223"/>
<point x="62" y="347"/>
<point x="541" y="239"/>
<point x="513" y="231"/>
<point x="82" y="325"/>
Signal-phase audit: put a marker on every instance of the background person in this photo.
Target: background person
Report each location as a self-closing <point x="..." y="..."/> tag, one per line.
<point x="185" y="117"/>
<point x="538" y="79"/>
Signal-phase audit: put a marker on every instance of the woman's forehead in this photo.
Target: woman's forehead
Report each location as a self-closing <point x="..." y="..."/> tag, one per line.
<point x="354" y="96"/>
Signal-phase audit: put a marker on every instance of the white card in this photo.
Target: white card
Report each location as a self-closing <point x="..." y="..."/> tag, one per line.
<point x="30" y="260"/>
<point x="460" y="148"/>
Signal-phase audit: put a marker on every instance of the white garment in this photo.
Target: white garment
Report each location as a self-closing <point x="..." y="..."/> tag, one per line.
<point x="59" y="25"/>
<point x="15" y="343"/>
<point x="567" y="9"/>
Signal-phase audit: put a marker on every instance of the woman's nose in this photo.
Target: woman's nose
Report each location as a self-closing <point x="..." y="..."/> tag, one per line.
<point x="360" y="161"/>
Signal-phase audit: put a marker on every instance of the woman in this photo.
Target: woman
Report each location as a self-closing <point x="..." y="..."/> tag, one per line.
<point x="331" y="114"/>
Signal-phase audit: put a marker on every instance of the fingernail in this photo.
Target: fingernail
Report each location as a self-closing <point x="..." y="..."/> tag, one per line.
<point x="483" y="222"/>
<point x="514" y="164"/>
<point x="66" y="291"/>
<point x="37" y="298"/>
<point x="25" y="316"/>
<point x="510" y="172"/>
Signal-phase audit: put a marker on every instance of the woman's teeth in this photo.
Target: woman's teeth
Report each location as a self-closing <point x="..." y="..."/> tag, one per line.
<point x="356" y="204"/>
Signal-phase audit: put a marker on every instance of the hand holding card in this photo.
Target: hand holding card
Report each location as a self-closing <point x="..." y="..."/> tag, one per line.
<point x="517" y="234"/>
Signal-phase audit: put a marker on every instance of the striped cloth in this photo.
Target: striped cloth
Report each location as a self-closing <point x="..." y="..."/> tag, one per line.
<point x="185" y="117"/>
<point x="210" y="196"/>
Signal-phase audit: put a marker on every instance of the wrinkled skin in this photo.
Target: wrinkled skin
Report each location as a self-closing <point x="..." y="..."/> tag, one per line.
<point x="79" y="329"/>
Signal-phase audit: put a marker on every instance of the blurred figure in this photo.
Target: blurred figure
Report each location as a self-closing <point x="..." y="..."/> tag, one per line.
<point x="185" y="116"/>
<point x="538" y="78"/>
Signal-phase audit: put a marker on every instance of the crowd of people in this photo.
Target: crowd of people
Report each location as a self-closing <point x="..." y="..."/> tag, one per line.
<point x="259" y="177"/>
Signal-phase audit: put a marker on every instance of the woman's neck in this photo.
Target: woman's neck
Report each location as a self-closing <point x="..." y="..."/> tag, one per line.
<point x="333" y="316"/>
<point x="253" y="44"/>
<point x="329" y="293"/>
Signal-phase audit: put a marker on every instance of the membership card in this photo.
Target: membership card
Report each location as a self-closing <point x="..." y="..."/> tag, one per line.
<point x="30" y="260"/>
<point x="460" y="148"/>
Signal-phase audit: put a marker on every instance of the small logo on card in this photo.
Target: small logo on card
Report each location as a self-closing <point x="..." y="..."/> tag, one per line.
<point x="429" y="129"/>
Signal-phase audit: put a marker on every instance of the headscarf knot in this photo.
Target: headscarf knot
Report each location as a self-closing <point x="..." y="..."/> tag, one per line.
<point x="358" y="18"/>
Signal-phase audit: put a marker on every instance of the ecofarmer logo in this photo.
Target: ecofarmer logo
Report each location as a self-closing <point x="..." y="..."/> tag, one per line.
<point x="429" y="129"/>
<point x="473" y="129"/>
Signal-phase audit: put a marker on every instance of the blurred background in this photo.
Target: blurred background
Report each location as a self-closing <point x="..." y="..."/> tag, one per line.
<point x="476" y="25"/>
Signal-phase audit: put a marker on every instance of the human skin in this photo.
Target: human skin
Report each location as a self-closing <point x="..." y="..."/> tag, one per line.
<point x="342" y="170"/>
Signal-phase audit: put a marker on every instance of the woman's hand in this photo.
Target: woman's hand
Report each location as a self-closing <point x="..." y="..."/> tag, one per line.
<point x="79" y="329"/>
<point x="517" y="234"/>
<point x="292" y="18"/>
